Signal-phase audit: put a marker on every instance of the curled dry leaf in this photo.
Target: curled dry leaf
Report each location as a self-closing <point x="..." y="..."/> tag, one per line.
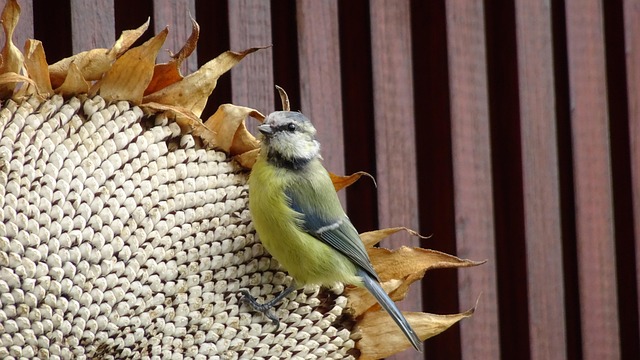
<point x="228" y="122"/>
<point x="128" y="38"/>
<point x="399" y="293"/>
<point x="360" y="300"/>
<point x="131" y="73"/>
<point x="402" y="262"/>
<point x="36" y="64"/>
<point x="371" y="238"/>
<point x="95" y="62"/>
<point x="380" y="337"/>
<point x="13" y="78"/>
<point x="248" y="158"/>
<point x="194" y="90"/>
<point x="12" y="58"/>
<point x="401" y="267"/>
<point x="341" y="182"/>
<point x="169" y="73"/>
<point x="189" y="123"/>
<point x="74" y="83"/>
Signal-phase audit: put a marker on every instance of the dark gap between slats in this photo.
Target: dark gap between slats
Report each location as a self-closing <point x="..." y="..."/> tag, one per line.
<point x="131" y="15"/>
<point x="506" y="156"/>
<point x="52" y="26"/>
<point x="284" y="32"/>
<point x="435" y="166"/>
<point x="621" y="173"/>
<point x="357" y="104"/>
<point x="212" y="16"/>
<point x="567" y="199"/>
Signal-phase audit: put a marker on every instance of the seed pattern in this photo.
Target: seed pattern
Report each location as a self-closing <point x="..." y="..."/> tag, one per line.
<point x="122" y="238"/>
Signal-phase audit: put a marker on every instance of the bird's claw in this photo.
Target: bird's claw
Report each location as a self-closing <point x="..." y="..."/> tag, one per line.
<point x="263" y="308"/>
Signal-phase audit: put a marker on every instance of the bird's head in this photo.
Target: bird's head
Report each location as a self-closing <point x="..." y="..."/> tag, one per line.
<point x="288" y="139"/>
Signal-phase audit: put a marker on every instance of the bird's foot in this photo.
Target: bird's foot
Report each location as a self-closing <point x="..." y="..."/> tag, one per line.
<point x="263" y="308"/>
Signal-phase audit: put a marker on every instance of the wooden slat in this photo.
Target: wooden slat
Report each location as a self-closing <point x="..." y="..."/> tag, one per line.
<point x="175" y="14"/>
<point x="320" y="86"/>
<point x="471" y="148"/>
<point x="592" y="180"/>
<point x="252" y="79"/>
<point x="24" y="30"/>
<point x="543" y="228"/>
<point x="632" y="48"/>
<point x="92" y="24"/>
<point x="394" y="129"/>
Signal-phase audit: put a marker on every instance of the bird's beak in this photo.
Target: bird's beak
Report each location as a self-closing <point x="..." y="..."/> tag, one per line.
<point x="266" y="129"/>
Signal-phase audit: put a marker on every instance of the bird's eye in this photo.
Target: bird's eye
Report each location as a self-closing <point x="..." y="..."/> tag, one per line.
<point x="292" y="127"/>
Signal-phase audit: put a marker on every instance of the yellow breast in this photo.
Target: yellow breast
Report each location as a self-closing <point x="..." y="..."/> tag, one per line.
<point x="307" y="259"/>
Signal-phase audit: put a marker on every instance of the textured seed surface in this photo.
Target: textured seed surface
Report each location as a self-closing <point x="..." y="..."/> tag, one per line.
<point x="121" y="238"/>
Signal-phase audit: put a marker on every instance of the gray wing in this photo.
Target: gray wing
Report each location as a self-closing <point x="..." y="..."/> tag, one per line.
<point x="338" y="233"/>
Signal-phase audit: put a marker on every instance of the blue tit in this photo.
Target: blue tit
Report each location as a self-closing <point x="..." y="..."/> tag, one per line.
<point x="300" y="220"/>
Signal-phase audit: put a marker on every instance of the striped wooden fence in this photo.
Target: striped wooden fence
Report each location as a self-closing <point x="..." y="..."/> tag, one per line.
<point x="509" y="130"/>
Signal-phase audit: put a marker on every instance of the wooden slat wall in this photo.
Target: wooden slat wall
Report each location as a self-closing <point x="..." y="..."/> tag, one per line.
<point x="252" y="80"/>
<point x="592" y="179"/>
<point x="394" y="127"/>
<point x="172" y="13"/>
<point x="632" y="48"/>
<point x="320" y="84"/>
<point x="471" y="149"/>
<point x="92" y="25"/>
<point x="541" y="181"/>
<point x="540" y="174"/>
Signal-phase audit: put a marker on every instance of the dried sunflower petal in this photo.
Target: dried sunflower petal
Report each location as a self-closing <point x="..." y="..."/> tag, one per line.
<point x="11" y="56"/>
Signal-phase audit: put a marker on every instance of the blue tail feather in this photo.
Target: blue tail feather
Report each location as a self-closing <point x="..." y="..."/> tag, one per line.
<point x="385" y="301"/>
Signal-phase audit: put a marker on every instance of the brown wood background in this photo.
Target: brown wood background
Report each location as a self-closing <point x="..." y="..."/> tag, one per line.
<point x="507" y="129"/>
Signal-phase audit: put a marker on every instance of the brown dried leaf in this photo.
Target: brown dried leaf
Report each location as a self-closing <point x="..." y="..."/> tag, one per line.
<point x="95" y="62"/>
<point x="194" y="90"/>
<point x="74" y="83"/>
<point x="126" y="39"/>
<point x="371" y="238"/>
<point x="130" y="74"/>
<point x="163" y="76"/>
<point x="380" y="337"/>
<point x="398" y="269"/>
<point x="12" y="58"/>
<point x="399" y="293"/>
<point x="169" y="73"/>
<point x="360" y="300"/>
<point x="92" y="64"/>
<point x="405" y="261"/>
<point x="247" y="159"/>
<point x="231" y="133"/>
<point x="191" y="43"/>
<point x="13" y="78"/>
<point x="189" y="123"/>
<point x="243" y="140"/>
<point x="341" y="182"/>
<point x="36" y="64"/>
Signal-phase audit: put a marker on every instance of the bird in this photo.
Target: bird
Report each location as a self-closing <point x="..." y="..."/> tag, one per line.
<point x="300" y="221"/>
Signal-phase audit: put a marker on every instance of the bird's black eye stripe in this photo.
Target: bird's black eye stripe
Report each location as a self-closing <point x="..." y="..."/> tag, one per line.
<point x="291" y="127"/>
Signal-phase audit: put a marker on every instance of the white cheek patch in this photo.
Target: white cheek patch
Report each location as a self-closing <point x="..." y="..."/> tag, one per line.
<point x="298" y="146"/>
